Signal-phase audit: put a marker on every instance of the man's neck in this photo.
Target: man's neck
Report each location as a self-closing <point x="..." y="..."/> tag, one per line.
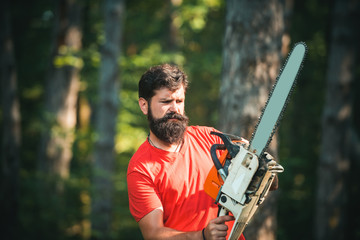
<point x="158" y="143"/>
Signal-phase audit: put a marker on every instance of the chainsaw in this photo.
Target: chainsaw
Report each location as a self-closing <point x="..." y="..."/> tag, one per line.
<point x="242" y="175"/>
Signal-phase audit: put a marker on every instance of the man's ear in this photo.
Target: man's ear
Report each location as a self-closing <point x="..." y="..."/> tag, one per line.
<point x="143" y="105"/>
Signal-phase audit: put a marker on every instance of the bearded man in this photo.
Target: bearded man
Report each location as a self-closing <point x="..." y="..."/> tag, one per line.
<point x="167" y="173"/>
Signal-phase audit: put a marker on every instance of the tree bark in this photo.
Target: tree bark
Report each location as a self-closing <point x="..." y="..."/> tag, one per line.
<point x="62" y="92"/>
<point x="104" y="155"/>
<point x="11" y="130"/>
<point x="337" y="141"/>
<point x="251" y="62"/>
<point x="175" y="39"/>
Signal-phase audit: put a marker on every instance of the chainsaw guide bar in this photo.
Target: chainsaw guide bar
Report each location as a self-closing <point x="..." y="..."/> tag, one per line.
<point x="278" y="99"/>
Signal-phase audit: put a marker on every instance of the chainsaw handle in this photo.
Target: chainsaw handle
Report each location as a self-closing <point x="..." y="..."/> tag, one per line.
<point x="216" y="161"/>
<point x="214" y="156"/>
<point x="232" y="148"/>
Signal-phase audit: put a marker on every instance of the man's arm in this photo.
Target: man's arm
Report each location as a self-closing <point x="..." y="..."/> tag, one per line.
<point x="152" y="227"/>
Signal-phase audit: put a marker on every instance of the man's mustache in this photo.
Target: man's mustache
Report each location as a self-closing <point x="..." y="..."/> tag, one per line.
<point x="174" y="115"/>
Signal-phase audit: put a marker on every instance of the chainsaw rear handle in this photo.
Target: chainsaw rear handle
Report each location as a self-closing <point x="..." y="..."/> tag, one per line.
<point x="232" y="148"/>
<point x="214" y="156"/>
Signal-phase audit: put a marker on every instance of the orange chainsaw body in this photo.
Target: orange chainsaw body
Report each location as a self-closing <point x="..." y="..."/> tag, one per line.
<point x="214" y="181"/>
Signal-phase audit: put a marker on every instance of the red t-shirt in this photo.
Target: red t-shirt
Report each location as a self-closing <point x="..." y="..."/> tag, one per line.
<point x="174" y="181"/>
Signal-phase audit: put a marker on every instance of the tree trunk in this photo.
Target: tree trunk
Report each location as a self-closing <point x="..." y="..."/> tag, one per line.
<point x="337" y="142"/>
<point x="251" y="62"/>
<point x="104" y="156"/>
<point x="175" y="39"/>
<point x="11" y="131"/>
<point x="62" y="92"/>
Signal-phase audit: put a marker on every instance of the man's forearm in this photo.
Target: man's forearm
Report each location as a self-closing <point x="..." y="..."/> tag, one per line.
<point x="165" y="233"/>
<point x="152" y="228"/>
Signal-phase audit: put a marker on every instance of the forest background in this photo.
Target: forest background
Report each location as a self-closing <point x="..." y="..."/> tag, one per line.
<point x="44" y="198"/>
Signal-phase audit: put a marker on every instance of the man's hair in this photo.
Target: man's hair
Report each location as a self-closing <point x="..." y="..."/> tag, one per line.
<point x="157" y="77"/>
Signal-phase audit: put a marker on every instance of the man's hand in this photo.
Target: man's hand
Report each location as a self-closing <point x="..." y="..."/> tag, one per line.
<point x="275" y="184"/>
<point x="217" y="229"/>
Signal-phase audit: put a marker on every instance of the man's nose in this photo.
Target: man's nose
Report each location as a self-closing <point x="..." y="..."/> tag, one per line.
<point x="175" y="107"/>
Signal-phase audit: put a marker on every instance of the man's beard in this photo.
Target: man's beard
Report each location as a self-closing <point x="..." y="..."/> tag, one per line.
<point x="166" y="129"/>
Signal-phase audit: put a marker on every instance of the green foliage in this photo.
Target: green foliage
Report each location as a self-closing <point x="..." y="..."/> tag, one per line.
<point x="63" y="212"/>
<point x="50" y="213"/>
<point x="188" y="33"/>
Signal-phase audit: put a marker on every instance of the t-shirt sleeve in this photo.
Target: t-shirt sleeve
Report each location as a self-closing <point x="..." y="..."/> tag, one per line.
<point x="143" y="197"/>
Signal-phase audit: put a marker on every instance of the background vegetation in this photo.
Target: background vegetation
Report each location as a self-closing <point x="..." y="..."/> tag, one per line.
<point x="145" y="42"/>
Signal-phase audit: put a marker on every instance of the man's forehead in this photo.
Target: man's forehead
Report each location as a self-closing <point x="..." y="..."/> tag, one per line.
<point x="165" y="92"/>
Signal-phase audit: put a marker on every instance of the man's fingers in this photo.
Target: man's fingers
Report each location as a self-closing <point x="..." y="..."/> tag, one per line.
<point x="217" y="227"/>
<point x="221" y="228"/>
<point x="223" y="219"/>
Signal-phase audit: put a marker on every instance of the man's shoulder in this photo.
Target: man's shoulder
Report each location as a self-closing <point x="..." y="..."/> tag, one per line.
<point x="202" y="132"/>
<point x="141" y="153"/>
<point x="147" y="160"/>
<point x="200" y="129"/>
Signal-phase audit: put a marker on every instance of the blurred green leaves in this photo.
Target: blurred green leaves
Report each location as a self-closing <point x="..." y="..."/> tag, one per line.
<point x="188" y="33"/>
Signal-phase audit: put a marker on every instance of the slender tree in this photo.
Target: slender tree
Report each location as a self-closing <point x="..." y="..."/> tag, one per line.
<point x="175" y="39"/>
<point x="108" y="104"/>
<point x="62" y="90"/>
<point x="11" y="136"/>
<point x="338" y="142"/>
<point x="251" y="62"/>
